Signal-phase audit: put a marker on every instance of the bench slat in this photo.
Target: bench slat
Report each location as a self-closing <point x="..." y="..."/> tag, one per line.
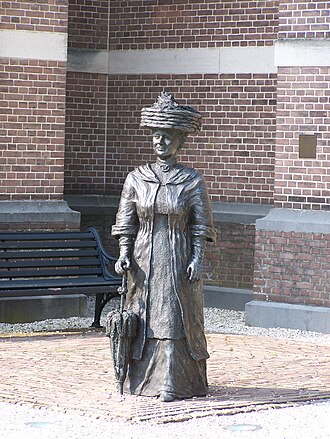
<point x="63" y="272"/>
<point x="90" y="289"/>
<point x="25" y="254"/>
<point x="46" y="244"/>
<point x="58" y="283"/>
<point x="50" y="263"/>
<point x="33" y="236"/>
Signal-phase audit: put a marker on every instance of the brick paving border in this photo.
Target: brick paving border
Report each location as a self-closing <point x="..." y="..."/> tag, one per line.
<point x="73" y="372"/>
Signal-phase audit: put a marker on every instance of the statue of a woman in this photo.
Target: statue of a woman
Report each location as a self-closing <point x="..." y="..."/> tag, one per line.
<point x="163" y="222"/>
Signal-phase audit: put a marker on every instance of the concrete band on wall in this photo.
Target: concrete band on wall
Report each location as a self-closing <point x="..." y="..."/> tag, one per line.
<point x="169" y="61"/>
<point x="218" y="60"/>
<point x="19" y="44"/>
<point x="53" y="46"/>
<point x="302" y="53"/>
<point x="203" y="60"/>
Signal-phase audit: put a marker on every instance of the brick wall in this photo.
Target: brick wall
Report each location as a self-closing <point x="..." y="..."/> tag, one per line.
<point x="85" y="134"/>
<point x="229" y="262"/>
<point x="33" y="119"/>
<point x="86" y="151"/>
<point x="303" y="96"/>
<point x="160" y="24"/>
<point x="88" y="24"/>
<point x="32" y="107"/>
<point x="304" y="19"/>
<point x="40" y="15"/>
<point x="234" y="150"/>
<point x="303" y="107"/>
<point x="292" y="267"/>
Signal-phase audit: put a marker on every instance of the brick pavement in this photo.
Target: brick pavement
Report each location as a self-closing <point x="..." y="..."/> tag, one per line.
<point x="73" y="372"/>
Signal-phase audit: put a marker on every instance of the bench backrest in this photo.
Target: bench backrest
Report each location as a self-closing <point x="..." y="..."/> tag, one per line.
<point x="52" y="255"/>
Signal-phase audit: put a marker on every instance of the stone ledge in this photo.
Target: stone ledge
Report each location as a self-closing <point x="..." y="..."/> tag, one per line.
<point x="93" y="204"/>
<point x="37" y="212"/>
<point x="226" y="298"/>
<point x="239" y="213"/>
<point x="234" y="213"/>
<point x="286" y="315"/>
<point x="294" y="220"/>
<point x="33" y="308"/>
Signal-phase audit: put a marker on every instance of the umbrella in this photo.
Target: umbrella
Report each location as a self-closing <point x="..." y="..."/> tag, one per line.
<point x="121" y="327"/>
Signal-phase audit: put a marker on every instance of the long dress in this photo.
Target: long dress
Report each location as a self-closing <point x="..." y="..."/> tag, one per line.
<point x="163" y="216"/>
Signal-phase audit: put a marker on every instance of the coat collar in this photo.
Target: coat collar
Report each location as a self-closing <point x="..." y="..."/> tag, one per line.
<point x="181" y="175"/>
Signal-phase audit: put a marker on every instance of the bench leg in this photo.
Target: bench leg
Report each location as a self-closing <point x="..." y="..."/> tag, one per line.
<point x="101" y="300"/>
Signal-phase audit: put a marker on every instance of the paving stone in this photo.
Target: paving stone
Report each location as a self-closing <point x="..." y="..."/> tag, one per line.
<point x="73" y="372"/>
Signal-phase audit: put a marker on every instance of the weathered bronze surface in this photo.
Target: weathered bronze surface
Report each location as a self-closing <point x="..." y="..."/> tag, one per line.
<point x="163" y="223"/>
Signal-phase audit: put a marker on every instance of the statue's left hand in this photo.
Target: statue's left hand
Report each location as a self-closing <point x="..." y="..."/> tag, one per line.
<point x="194" y="271"/>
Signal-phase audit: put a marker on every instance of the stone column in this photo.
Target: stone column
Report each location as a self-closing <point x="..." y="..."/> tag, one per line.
<point x="33" y="58"/>
<point x="292" y="253"/>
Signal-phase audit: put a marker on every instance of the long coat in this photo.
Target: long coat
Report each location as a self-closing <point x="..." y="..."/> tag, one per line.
<point x="189" y="215"/>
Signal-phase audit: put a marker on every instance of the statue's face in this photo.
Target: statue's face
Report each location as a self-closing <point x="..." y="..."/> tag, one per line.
<point x="166" y="142"/>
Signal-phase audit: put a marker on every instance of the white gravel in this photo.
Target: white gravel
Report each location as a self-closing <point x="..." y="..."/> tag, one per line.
<point x="216" y="320"/>
<point x="304" y="422"/>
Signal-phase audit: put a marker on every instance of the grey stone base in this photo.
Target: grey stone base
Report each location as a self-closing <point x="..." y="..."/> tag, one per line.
<point x="24" y="215"/>
<point x="33" y="308"/>
<point x="226" y="298"/>
<point x="285" y="315"/>
<point x="233" y="213"/>
<point x="295" y="220"/>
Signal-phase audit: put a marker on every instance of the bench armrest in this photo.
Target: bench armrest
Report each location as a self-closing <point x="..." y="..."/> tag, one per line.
<point x="106" y="258"/>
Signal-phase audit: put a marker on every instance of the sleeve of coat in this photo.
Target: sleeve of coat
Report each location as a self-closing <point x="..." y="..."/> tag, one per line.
<point x="201" y="224"/>
<point x="126" y="218"/>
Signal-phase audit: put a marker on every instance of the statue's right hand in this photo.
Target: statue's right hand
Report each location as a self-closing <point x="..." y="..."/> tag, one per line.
<point x="122" y="265"/>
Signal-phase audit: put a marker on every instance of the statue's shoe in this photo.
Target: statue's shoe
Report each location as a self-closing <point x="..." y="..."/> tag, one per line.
<point x="166" y="396"/>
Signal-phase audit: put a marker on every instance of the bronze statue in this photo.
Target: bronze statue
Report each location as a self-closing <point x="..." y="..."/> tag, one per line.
<point x="163" y="222"/>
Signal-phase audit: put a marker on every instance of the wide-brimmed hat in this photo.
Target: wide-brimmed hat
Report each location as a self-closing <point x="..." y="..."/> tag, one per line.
<point x="167" y="113"/>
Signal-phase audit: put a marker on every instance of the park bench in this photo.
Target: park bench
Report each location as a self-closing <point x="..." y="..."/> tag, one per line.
<point x="55" y="263"/>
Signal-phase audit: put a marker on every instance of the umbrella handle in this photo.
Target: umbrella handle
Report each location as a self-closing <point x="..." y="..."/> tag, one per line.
<point x="122" y="302"/>
<point x="122" y="290"/>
